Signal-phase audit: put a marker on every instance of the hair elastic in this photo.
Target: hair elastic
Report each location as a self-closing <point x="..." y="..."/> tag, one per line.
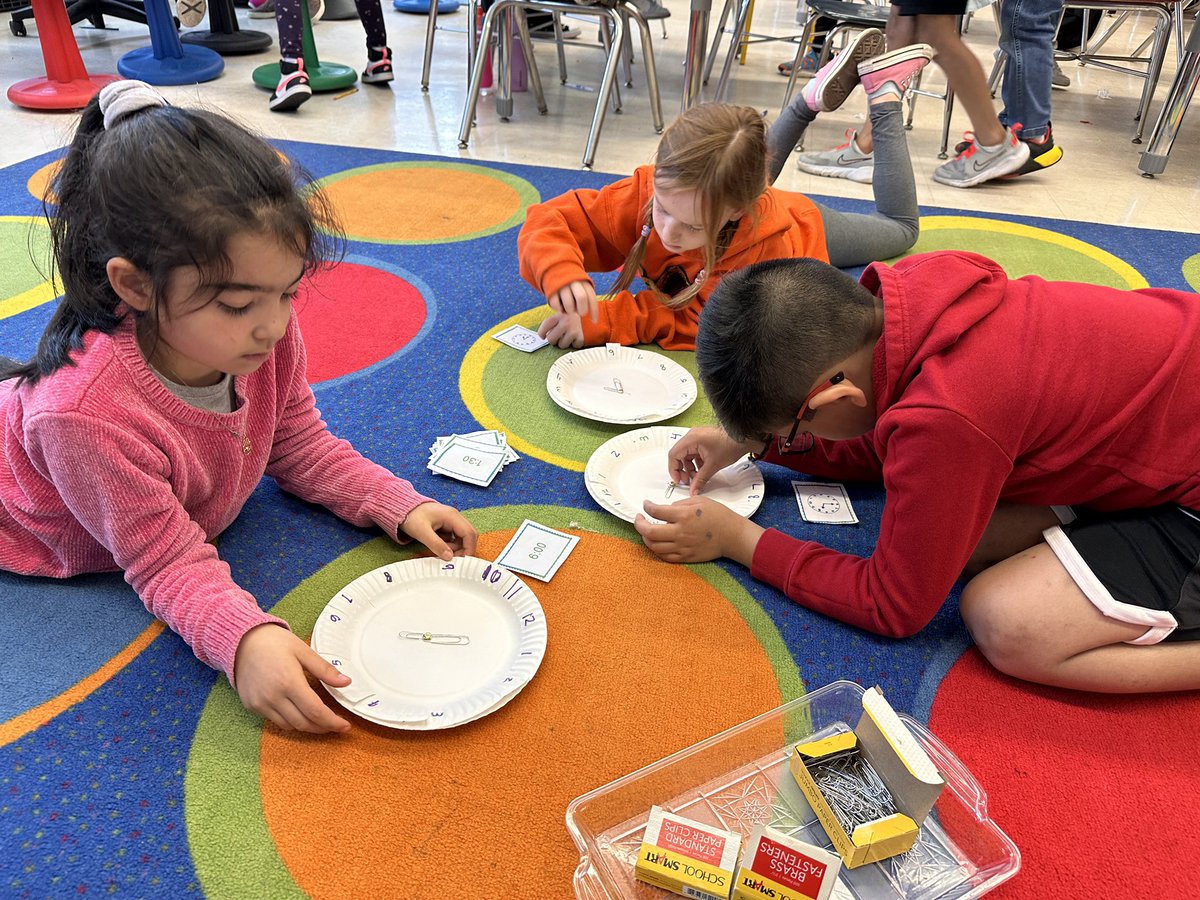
<point x="124" y="98"/>
<point x="646" y="231"/>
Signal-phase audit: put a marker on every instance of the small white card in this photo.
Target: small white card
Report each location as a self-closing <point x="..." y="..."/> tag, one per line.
<point x="828" y="504"/>
<point x="521" y="338"/>
<point x="537" y="551"/>
<point x="468" y="461"/>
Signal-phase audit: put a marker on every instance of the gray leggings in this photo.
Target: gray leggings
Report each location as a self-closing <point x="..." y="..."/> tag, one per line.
<point x="855" y="239"/>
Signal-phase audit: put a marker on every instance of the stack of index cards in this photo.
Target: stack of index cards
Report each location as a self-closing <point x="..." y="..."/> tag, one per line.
<point x="475" y="458"/>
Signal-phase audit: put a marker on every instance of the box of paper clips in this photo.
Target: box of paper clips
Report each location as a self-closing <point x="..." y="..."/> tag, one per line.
<point x="872" y="787"/>
<point x="740" y="779"/>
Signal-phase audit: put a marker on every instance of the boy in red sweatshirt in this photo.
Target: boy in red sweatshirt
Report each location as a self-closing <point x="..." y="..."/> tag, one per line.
<point x="1039" y="437"/>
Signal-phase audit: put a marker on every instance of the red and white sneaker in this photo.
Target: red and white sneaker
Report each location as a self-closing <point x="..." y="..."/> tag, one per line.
<point x="897" y="68"/>
<point x="835" y="80"/>
<point x="293" y="88"/>
<point x="379" y="66"/>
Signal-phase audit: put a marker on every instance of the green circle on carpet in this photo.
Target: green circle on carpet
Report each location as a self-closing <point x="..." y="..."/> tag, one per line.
<point x="506" y="389"/>
<point x="25" y="254"/>
<point x="1191" y="271"/>
<point x="1025" y="250"/>
<point x="222" y="787"/>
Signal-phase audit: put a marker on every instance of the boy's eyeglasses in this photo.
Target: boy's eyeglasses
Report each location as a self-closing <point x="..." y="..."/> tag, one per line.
<point x="803" y="441"/>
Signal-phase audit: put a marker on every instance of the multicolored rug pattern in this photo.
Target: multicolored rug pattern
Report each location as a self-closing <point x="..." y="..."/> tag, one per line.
<point x="128" y="768"/>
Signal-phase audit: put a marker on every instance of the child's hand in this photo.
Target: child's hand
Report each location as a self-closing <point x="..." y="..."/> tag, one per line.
<point x="697" y="530"/>
<point x="700" y="454"/>
<point x="443" y="529"/>
<point x="269" y="671"/>
<point x="563" y="330"/>
<point x="578" y="297"/>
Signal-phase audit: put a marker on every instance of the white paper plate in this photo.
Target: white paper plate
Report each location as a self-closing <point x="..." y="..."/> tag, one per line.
<point x="632" y="467"/>
<point x="620" y="385"/>
<point x="432" y="644"/>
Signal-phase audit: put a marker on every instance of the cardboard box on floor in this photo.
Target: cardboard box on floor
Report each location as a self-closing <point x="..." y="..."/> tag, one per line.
<point x="902" y="764"/>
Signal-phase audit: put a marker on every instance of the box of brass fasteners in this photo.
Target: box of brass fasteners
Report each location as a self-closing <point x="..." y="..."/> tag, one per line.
<point x="778" y="867"/>
<point x="871" y="787"/>
<point x="686" y="857"/>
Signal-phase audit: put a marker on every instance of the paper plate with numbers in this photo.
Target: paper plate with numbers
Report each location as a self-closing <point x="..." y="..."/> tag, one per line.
<point x="432" y="644"/>
<point x="632" y="467"/>
<point x="620" y="385"/>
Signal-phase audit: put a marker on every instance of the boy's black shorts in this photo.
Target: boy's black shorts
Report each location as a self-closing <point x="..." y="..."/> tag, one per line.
<point x="1138" y="566"/>
<point x="931" y="7"/>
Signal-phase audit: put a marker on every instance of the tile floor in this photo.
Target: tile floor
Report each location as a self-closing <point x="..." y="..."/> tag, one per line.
<point x="1097" y="179"/>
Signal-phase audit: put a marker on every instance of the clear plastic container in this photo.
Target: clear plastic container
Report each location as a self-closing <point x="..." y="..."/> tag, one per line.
<point x="739" y="779"/>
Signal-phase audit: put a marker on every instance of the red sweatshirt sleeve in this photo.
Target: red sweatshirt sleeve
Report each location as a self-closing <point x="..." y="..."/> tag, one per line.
<point x="943" y="478"/>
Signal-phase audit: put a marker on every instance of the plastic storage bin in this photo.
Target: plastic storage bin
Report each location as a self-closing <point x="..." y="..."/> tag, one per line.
<point x="739" y="779"/>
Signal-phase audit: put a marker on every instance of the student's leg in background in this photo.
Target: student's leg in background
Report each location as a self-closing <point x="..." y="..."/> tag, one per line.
<point x="1027" y="39"/>
<point x="964" y="74"/>
<point x="370" y="12"/>
<point x="855" y="239"/>
<point x="290" y="22"/>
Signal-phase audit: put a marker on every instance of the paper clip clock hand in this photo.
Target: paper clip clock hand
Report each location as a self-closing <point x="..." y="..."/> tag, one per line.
<point x="430" y="637"/>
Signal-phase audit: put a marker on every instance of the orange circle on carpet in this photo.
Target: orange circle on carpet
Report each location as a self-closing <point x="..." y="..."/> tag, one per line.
<point x="1096" y="790"/>
<point x="427" y="202"/>
<point x="343" y="335"/>
<point x="445" y="802"/>
<point x="39" y="182"/>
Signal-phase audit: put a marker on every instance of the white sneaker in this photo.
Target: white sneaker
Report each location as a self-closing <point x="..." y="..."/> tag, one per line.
<point x="977" y="164"/>
<point x="847" y="161"/>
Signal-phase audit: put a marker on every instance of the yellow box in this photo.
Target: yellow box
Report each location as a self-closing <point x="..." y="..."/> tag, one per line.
<point x="901" y="763"/>
<point x="687" y="857"/>
<point x="778" y="867"/>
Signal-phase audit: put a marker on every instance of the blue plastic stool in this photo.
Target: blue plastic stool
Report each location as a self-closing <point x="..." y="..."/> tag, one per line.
<point x="167" y="60"/>
<point x="421" y="7"/>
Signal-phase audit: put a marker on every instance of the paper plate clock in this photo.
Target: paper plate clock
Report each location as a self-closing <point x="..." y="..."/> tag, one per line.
<point x="620" y="385"/>
<point x="632" y="467"/>
<point x="432" y="644"/>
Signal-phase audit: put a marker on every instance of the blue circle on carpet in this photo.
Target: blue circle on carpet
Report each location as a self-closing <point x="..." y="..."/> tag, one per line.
<point x="68" y="628"/>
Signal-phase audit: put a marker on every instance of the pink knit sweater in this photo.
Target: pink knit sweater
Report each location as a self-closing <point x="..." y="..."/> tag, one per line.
<point x="106" y="469"/>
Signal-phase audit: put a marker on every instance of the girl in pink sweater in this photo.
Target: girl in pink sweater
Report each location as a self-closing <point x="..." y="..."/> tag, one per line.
<point x="171" y="378"/>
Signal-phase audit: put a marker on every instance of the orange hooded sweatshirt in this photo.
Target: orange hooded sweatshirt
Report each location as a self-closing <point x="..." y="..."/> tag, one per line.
<point x="585" y="231"/>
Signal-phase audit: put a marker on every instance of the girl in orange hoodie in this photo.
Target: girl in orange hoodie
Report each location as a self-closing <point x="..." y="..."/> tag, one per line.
<point x="705" y="208"/>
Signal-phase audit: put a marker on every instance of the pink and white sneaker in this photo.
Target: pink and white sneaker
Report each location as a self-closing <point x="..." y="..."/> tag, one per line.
<point x="379" y="66"/>
<point x="835" y="80"/>
<point x="897" y="68"/>
<point x="293" y="88"/>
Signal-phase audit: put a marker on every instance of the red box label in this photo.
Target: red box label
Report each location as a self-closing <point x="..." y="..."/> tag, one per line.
<point x="700" y="845"/>
<point x="788" y="867"/>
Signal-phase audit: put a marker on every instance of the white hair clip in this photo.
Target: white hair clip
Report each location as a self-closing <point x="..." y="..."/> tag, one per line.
<point x="123" y="98"/>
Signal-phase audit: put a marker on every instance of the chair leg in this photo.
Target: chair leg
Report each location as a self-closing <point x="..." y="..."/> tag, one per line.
<point x="649" y="64"/>
<point x="607" y="86"/>
<point x="1154" y="159"/>
<point x="558" y="46"/>
<point x="430" y="31"/>
<point x="535" y="77"/>
<point x="735" y="41"/>
<point x="1162" y="35"/>
<point x="715" y="49"/>
<point x="477" y="66"/>
<point x="612" y="51"/>
<point x="806" y="36"/>
<point x="946" y="115"/>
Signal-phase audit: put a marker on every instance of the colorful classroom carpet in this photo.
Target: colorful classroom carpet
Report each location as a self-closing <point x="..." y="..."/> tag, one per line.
<point x="128" y="768"/>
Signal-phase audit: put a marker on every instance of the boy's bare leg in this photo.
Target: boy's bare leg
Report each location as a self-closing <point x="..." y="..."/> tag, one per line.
<point x="1031" y="621"/>
<point x="964" y="73"/>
